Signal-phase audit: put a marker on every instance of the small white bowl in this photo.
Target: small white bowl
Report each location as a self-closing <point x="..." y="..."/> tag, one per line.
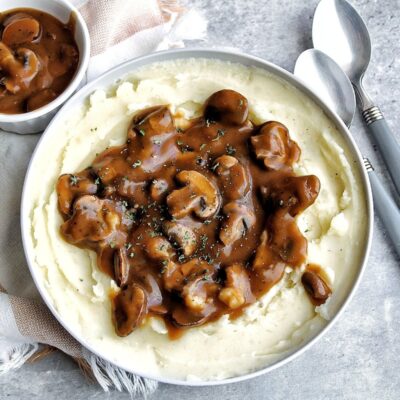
<point x="37" y="120"/>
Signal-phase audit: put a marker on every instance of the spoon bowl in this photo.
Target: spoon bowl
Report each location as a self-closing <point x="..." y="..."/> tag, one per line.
<point x="327" y="79"/>
<point x="339" y="31"/>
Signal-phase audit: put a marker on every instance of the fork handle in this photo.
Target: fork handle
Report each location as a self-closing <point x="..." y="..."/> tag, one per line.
<point x="385" y="141"/>
<point x="386" y="207"/>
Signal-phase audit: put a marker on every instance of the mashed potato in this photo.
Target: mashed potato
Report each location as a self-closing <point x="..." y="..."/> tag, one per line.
<point x="282" y="320"/>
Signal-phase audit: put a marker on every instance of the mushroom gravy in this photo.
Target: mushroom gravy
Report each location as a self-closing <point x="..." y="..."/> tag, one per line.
<point x="191" y="223"/>
<point x="38" y="59"/>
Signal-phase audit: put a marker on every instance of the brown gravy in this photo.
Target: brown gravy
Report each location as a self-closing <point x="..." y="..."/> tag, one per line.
<point x="38" y="59"/>
<point x="195" y="223"/>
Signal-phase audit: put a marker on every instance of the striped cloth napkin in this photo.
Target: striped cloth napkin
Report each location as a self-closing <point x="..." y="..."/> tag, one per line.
<point x="119" y="30"/>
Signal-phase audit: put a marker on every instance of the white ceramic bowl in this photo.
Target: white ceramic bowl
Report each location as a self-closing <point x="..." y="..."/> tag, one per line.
<point x="37" y="120"/>
<point x="108" y="79"/>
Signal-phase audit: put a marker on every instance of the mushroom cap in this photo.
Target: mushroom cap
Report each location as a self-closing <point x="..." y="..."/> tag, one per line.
<point x="239" y="219"/>
<point x="274" y="147"/>
<point x="199" y="195"/>
<point x="20" y="28"/>
<point x="227" y="106"/>
<point x="232" y="177"/>
<point x="129" y="308"/>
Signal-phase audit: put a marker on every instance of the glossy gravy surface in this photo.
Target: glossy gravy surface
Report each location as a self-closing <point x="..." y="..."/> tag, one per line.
<point x="38" y="59"/>
<point x="191" y="223"/>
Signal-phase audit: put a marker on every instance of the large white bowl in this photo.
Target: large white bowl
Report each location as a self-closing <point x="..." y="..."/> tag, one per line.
<point x="109" y="79"/>
<point x="37" y="120"/>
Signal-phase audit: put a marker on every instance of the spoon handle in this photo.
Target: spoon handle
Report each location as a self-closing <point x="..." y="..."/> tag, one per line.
<point x="385" y="206"/>
<point x="385" y="141"/>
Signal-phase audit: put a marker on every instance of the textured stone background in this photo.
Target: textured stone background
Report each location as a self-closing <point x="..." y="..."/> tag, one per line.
<point x="359" y="357"/>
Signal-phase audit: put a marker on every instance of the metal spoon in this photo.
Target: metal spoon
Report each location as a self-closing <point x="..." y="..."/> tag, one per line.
<point x="328" y="80"/>
<point x="339" y="31"/>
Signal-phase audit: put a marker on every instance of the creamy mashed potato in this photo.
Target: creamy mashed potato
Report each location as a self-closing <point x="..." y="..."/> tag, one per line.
<point x="282" y="320"/>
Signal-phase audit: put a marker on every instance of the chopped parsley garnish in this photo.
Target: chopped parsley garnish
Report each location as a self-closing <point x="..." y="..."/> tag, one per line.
<point x="157" y="142"/>
<point x="136" y="164"/>
<point x="74" y="180"/>
<point x="215" y="166"/>
<point x="230" y="150"/>
<point x="209" y="122"/>
<point x="202" y="146"/>
<point x="220" y="133"/>
<point x="142" y="132"/>
<point x="97" y="181"/>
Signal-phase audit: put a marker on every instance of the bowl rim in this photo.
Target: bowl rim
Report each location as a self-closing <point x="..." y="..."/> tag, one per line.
<point x="224" y="55"/>
<point x="80" y="72"/>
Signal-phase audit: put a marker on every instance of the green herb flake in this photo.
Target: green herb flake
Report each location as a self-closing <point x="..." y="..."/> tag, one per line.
<point x="142" y="132"/>
<point x="74" y="180"/>
<point x="230" y="150"/>
<point x="202" y="146"/>
<point x="215" y="166"/>
<point x="131" y="254"/>
<point x="136" y="164"/>
<point x="220" y="133"/>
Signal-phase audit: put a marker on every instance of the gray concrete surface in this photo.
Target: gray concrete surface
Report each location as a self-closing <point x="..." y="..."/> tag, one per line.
<point x="360" y="356"/>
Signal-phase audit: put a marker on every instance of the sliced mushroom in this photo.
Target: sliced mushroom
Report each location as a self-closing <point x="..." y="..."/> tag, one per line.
<point x="281" y="242"/>
<point x="183" y="318"/>
<point x="286" y="239"/>
<point x="237" y="290"/>
<point x="111" y="167"/>
<point x="152" y="121"/>
<point x="183" y="236"/>
<point x="20" y="28"/>
<point x="295" y="193"/>
<point x="227" y="106"/>
<point x="239" y="219"/>
<point x="158" y="248"/>
<point x="121" y="267"/>
<point x="172" y="276"/>
<point x="69" y="187"/>
<point x="19" y="69"/>
<point x="316" y="287"/>
<point x="151" y="138"/>
<point x="158" y="189"/>
<point x="274" y="147"/>
<point x="93" y="220"/>
<point x="232" y="176"/>
<point x="129" y="309"/>
<point x="199" y="195"/>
